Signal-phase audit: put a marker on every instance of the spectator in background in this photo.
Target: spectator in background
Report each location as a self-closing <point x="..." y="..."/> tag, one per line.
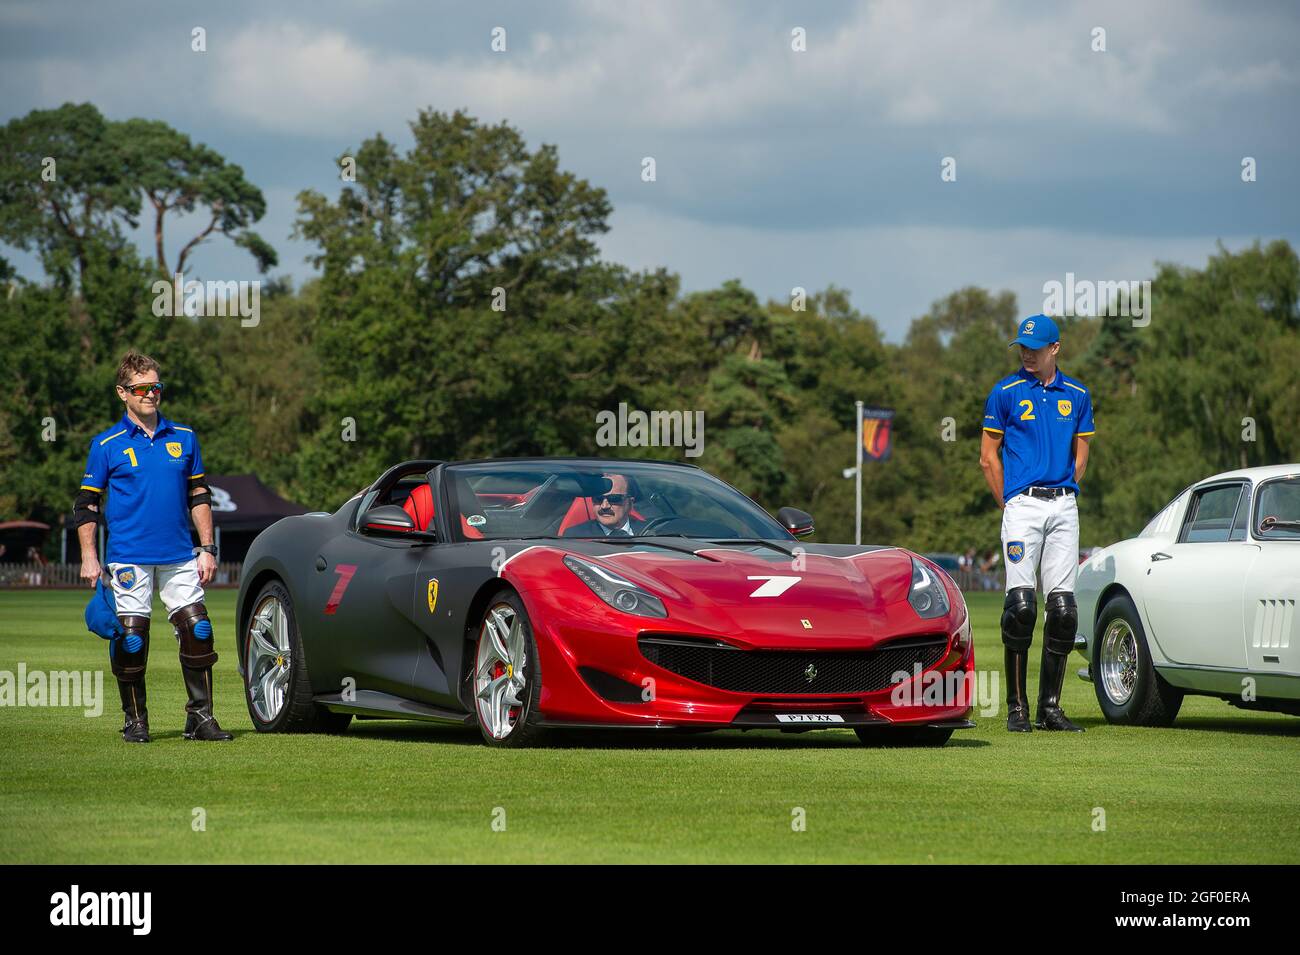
<point x="987" y="580"/>
<point x="37" y="573"/>
<point x="968" y="567"/>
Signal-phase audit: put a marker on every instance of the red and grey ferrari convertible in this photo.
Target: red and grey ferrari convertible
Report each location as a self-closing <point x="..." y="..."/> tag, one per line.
<point x="524" y="595"/>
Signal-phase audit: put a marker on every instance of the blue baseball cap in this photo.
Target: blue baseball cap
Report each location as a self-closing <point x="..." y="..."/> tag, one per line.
<point x="1037" y="331"/>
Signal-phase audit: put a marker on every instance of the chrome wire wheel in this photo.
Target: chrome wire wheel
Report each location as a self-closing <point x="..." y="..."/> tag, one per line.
<point x="1117" y="661"/>
<point x="268" y="659"/>
<point x="499" y="670"/>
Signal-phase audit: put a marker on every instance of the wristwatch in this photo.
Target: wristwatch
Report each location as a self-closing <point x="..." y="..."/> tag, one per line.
<point x="208" y="548"/>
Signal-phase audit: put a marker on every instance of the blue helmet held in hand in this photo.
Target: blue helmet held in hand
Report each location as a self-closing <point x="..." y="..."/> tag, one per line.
<point x="101" y="613"/>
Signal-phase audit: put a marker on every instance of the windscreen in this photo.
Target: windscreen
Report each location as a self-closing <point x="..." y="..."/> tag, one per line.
<point x="548" y="499"/>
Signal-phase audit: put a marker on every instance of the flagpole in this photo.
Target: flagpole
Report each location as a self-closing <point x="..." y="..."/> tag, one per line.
<point x="857" y="534"/>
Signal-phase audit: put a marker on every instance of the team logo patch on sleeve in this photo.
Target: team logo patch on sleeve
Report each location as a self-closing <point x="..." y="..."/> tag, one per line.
<point x="1064" y="407"/>
<point x="126" y="578"/>
<point x="174" y="447"/>
<point x="1015" y="551"/>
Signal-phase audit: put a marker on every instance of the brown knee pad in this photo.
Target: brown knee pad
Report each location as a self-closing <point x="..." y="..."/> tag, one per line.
<point x="194" y="633"/>
<point x="129" y="664"/>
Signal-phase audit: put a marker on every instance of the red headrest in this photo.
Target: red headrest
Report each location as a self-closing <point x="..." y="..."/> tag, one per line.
<point x="579" y="513"/>
<point x="419" y="504"/>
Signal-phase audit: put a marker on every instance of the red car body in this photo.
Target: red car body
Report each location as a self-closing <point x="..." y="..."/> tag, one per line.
<point x="840" y="603"/>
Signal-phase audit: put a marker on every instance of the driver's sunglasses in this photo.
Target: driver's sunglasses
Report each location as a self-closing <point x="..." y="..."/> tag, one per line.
<point x="148" y="388"/>
<point x="616" y="499"/>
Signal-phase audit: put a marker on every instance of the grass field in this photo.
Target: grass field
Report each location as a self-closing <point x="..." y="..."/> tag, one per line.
<point x="1218" y="787"/>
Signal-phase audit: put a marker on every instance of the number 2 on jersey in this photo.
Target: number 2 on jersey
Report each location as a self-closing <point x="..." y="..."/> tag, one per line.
<point x="1028" y="414"/>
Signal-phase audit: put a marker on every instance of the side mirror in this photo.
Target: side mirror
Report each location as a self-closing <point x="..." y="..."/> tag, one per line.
<point x="389" y="520"/>
<point x="797" y="522"/>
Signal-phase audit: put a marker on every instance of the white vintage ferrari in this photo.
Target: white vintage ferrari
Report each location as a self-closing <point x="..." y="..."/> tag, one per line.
<point x="1203" y="601"/>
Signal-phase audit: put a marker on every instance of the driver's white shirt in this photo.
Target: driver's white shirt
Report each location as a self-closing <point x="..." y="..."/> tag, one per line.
<point x="626" y="528"/>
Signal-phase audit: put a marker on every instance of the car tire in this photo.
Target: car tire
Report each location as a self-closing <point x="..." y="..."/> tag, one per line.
<point x="1129" y="690"/>
<point x="281" y="704"/>
<point x="504" y="692"/>
<point x="918" y="736"/>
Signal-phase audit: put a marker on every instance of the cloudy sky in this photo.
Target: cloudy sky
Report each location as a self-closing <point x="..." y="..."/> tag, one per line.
<point x="777" y="167"/>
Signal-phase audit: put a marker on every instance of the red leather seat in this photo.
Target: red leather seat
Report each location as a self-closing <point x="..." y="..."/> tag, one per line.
<point x="419" y="504"/>
<point x="579" y="513"/>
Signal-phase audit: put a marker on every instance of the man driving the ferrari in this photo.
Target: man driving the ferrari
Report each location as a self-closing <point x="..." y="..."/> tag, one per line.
<point x="613" y="510"/>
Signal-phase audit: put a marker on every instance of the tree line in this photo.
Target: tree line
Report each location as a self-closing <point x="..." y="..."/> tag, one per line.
<point x="463" y="310"/>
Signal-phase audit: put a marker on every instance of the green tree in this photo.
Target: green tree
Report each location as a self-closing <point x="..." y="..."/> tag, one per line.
<point x="63" y="340"/>
<point x="69" y="180"/>
<point x="460" y="293"/>
<point x="177" y="176"/>
<point x="1211" y="361"/>
<point x="64" y="190"/>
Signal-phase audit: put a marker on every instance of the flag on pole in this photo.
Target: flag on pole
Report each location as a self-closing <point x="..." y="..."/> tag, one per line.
<point x="877" y="433"/>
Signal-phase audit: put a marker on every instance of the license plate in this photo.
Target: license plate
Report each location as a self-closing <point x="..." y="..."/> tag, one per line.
<point x="809" y="718"/>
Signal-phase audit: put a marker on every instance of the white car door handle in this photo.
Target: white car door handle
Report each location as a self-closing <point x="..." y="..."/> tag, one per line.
<point x="1161" y="555"/>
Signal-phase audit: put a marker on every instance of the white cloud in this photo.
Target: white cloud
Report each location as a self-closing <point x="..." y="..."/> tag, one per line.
<point x="1253" y="78"/>
<point x="700" y="66"/>
<point x="741" y="124"/>
<point x="320" y="82"/>
<point x="895" y="273"/>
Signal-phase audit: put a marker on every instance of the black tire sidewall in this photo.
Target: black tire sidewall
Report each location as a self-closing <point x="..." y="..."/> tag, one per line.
<point x="1127" y="713"/>
<point x="289" y="718"/>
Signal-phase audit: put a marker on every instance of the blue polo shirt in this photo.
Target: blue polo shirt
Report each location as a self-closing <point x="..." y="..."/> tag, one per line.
<point x="148" y="481"/>
<point x="1038" y="424"/>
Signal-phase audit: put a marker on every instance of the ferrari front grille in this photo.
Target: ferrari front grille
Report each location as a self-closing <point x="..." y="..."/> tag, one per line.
<point x="791" y="672"/>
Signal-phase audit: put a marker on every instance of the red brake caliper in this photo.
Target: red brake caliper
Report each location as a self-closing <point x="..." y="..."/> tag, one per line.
<point x="499" y="669"/>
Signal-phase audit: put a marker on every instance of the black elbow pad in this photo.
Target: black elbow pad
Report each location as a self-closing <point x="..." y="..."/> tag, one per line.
<point x="203" y="497"/>
<point x="85" y="510"/>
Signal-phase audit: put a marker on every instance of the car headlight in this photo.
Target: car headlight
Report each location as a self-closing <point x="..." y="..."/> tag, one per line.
<point x="617" y="591"/>
<point x="963" y="640"/>
<point x="928" y="596"/>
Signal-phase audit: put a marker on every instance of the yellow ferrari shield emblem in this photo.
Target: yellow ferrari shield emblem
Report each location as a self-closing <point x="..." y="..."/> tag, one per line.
<point x="1064" y="407"/>
<point x="174" y="448"/>
<point x="433" y="593"/>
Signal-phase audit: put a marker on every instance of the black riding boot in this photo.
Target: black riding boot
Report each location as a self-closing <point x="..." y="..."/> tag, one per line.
<point x="1051" y="675"/>
<point x="136" y="727"/>
<point x="199" y="721"/>
<point x="1016" y="663"/>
